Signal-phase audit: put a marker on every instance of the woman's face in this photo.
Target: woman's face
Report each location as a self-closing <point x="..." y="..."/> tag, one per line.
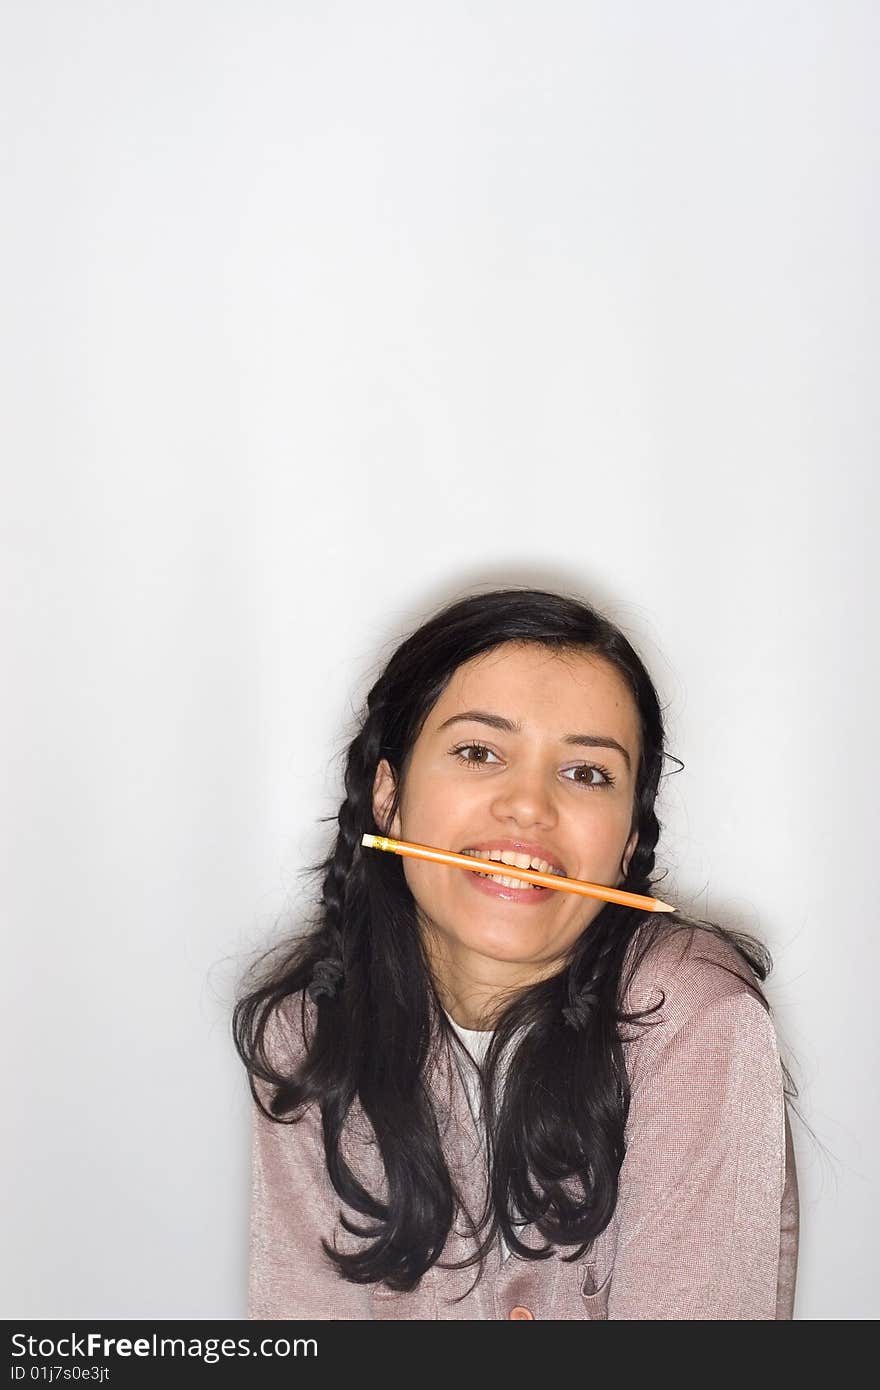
<point x="532" y="786"/>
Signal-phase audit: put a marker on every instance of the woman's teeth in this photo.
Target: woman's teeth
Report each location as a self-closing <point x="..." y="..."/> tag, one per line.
<point x="510" y="882"/>
<point x="522" y="862"/>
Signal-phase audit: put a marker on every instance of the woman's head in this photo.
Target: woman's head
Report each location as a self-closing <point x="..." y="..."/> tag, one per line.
<point x="557" y="669"/>
<point x="527" y="744"/>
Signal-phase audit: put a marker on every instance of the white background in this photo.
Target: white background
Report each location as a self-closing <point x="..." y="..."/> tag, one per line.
<point x="316" y="316"/>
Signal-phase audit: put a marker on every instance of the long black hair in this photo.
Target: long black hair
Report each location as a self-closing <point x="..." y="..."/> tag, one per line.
<point x="378" y="1013"/>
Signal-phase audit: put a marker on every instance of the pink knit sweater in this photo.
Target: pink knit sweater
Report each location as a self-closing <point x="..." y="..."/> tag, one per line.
<point x="706" y="1223"/>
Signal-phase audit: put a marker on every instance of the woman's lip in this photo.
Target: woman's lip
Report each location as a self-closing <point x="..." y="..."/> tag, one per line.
<point x="526" y="897"/>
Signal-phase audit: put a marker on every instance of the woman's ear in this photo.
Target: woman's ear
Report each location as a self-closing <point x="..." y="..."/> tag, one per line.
<point x="383" y="795"/>
<point x="627" y="855"/>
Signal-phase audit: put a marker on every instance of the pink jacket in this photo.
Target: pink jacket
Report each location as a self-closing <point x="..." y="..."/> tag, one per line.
<point x="706" y="1224"/>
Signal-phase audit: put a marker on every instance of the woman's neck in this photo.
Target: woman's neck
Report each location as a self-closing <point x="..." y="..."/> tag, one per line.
<point x="472" y="988"/>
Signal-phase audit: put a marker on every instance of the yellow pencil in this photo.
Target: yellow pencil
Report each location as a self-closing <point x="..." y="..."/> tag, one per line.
<point x="469" y="861"/>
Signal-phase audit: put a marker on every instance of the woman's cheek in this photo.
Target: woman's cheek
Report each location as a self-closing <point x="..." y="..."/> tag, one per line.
<point x="419" y="878"/>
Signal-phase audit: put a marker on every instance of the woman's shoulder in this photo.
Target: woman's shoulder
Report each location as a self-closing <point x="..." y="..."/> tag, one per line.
<point x="685" y="970"/>
<point x="290" y="1028"/>
<point x="280" y="1041"/>
<point x="290" y="1023"/>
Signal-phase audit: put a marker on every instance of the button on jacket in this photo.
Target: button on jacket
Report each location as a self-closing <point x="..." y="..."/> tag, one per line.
<point x="706" y="1222"/>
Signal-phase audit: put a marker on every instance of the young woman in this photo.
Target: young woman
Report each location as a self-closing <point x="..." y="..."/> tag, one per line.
<point x="480" y="1099"/>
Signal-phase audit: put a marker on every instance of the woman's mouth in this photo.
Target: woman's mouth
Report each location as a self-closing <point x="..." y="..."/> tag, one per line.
<point x="501" y="885"/>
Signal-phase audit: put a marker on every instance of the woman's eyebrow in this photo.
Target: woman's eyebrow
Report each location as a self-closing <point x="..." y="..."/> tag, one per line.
<point x="507" y="726"/>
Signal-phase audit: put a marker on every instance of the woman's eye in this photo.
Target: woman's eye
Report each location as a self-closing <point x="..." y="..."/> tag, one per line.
<point x="586" y="768"/>
<point x="472" y="762"/>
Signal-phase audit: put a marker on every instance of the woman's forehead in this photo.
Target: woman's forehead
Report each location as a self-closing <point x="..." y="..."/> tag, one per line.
<point x="537" y="688"/>
<point x="559" y="675"/>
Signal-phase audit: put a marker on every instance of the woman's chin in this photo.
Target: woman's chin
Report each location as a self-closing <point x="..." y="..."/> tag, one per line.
<point x="514" y="948"/>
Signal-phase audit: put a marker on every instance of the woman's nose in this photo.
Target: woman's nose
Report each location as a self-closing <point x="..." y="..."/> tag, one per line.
<point x="526" y="797"/>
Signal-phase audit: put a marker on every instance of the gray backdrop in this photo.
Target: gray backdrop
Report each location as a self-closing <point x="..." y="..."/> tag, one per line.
<point x="316" y="316"/>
